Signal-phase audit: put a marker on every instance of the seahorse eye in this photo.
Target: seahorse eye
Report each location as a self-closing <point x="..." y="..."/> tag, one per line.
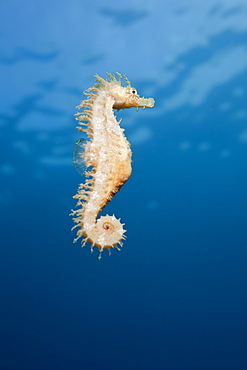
<point x="133" y="91"/>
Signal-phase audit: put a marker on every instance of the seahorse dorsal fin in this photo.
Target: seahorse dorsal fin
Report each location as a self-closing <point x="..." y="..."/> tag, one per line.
<point x="78" y="156"/>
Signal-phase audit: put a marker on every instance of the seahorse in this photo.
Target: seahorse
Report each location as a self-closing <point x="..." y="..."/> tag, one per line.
<point x="107" y="156"/>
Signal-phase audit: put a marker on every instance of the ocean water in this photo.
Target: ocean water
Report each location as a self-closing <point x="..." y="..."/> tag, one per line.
<point x="175" y="296"/>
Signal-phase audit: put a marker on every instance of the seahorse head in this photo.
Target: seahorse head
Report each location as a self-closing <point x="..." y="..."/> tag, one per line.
<point x="124" y="96"/>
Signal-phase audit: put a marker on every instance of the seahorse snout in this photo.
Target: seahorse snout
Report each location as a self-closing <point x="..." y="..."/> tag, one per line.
<point x="147" y="103"/>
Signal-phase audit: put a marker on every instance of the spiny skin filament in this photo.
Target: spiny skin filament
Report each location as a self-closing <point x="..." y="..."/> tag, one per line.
<point x="107" y="156"/>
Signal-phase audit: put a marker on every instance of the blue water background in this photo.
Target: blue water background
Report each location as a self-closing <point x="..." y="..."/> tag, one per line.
<point x="175" y="297"/>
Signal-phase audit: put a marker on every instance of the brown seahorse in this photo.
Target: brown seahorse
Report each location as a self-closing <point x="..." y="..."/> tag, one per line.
<point x="107" y="155"/>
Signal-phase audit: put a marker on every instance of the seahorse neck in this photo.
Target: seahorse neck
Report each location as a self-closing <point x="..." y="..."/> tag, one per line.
<point x="103" y="121"/>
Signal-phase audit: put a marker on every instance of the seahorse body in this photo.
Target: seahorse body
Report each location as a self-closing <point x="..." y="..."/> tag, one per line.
<point x="107" y="153"/>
